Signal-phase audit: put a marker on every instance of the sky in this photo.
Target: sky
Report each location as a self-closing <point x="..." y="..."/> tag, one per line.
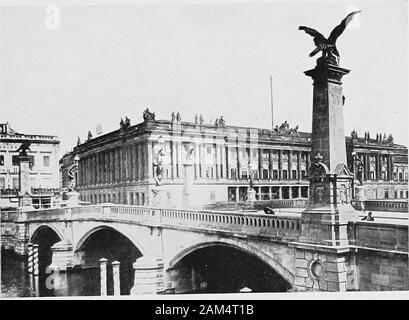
<point x="101" y="63"/>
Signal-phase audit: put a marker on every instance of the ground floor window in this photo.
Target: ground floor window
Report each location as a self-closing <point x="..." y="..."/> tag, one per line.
<point x="243" y="193"/>
<point x="231" y="194"/>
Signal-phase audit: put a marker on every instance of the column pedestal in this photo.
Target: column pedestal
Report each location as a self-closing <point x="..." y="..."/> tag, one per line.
<point x="148" y="276"/>
<point x="251" y="195"/>
<point x="62" y="256"/>
<point x="160" y="197"/>
<point x="188" y="171"/>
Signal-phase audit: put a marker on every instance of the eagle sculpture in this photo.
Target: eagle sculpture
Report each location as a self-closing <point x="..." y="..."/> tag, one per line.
<point x="327" y="46"/>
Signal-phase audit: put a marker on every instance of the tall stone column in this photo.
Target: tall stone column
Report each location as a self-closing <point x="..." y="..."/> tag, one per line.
<point x="329" y="208"/>
<point x="322" y="253"/>
<point x="25" y="182"/>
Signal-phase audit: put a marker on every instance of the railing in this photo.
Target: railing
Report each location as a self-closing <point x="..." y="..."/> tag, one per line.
<point x="260" y="204"/>
<point x="9" y="216"/>
<point x="378" y="236"/>
<point x="9" y="192"/>
<point x="386" y="205"/>
<point x="36" y="191"/>
<point x="233" y="222"/>
<point x="244" y="223"/>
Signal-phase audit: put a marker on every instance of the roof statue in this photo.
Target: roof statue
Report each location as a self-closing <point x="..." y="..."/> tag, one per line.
<point x="285" y="129"/>
<point x="328" y="46"/>
<point x="125" y="124"/>
<point x="147" y="115"/>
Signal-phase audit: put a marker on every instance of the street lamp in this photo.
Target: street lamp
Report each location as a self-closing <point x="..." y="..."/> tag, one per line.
<point x="157" y="160"/>
<point x="251" y="193"/>
<point x="357" y="168"/>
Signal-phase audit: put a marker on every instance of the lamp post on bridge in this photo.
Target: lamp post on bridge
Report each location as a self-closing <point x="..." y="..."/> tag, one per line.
<point x="358" y="190"/>
<point x="251" y="193"/>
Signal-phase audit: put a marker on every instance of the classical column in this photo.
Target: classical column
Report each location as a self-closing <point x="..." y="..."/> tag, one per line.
<point x="141" y="174"/>
<point x="216" y="160"/>
<point x="367" y="167"/>
<point x="260" y="163"/>
<point x="238" y="162"/>
<point x="134" y="162"/>
<point x="290" y="165"/>
<point x="299" y="165"/>
<point x="390" y="167"/>
<point x="378" y="166"/>
<point x="280" y="167"/>
<point x="111" y="166"/>
<point x="227" y="162"/>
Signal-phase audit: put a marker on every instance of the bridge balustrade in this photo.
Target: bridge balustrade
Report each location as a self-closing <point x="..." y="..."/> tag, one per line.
<point x="244" y="223"/>
<point x="252" y="224"/>
<point x="379" y="236"/>
<point x="46" y="214"/>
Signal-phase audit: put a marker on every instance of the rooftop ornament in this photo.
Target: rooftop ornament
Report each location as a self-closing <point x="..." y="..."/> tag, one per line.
<point x="125" y="124"/>
<point x="328" y="46"/>
<point x="285" y="129"/>
<point x="147" y="115"/>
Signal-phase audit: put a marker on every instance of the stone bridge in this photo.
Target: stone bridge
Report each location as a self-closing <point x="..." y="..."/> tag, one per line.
<point x="375" y="258"/>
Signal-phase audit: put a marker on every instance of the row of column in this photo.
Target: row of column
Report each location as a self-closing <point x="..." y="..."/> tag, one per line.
<point x="278" y="189"/>
<point x="378" y="171"/>
<point x="126" y="163"/>
<point x="222" y="167"/>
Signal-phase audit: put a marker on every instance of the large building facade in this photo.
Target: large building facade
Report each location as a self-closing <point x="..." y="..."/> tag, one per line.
<point x="119" y="167"/>
<point x="44" y="173"/>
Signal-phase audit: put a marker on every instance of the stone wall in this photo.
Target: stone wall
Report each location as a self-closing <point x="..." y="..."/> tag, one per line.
<point x="382" y="271"/>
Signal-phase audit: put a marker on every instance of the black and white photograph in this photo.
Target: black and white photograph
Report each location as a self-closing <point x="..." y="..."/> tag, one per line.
<point x="203" y="149"/>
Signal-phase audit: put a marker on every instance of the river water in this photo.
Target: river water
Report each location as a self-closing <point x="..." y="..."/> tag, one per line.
<point x="16" y="282"/>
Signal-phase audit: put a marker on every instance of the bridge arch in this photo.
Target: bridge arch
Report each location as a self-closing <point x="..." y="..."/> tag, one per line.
<point x="270" y="260"/>
<point x="118" y="229"/>
<point x="44" y="226"/>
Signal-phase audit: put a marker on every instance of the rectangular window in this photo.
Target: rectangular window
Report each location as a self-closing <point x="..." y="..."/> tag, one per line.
<point x="46" y="161"/>
<point x="294" y="174"/>
<point x="396" y="194"/>
<point x="285" y="174"/>
<point x="14" y="160"/>
<point x="15" y="183"/>
<point x="303" y="175"/>
<point x="401" y="194"/>
<point x="2" y="183"/>
<point x="265" y="174"/>
<point x="233" y="173"/>
<point x="1" y="160"/>
<point x="386" y="194"/>
<point x="275" y="174"/>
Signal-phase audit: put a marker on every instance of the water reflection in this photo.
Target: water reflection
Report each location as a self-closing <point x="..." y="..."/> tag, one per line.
<point x="16" y="282"/>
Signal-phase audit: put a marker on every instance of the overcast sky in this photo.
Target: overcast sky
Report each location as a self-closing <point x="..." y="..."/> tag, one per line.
<point x="110" y="61"/>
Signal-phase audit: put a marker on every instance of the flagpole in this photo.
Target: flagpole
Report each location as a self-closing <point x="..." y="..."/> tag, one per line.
<point x="271" y="97"/>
